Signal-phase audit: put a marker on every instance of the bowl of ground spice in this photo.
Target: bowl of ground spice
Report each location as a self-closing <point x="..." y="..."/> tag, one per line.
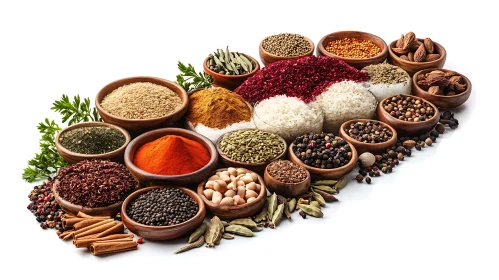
<point x="286" y="178"/>
<point x="284" y="46"/>
<point x="358" y="49"/>
<point x="89" y="140"/>
<point x="368" y="135"/>
<point x="163" y="212"/>
<point x="141" y="104"/>
<point x="231" y="70"/>
<point x="171" y="156"/>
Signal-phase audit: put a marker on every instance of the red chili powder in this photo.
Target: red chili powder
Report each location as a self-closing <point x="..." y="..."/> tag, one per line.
<point x="304" y="78"/>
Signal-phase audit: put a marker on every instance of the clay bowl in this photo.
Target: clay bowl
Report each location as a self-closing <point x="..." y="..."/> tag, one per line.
<point x="286" y="189"/>
<point x="441" y="101"/>
<point x="268" y="58"/>
<point x="110" y="210"/>
<point x="230" y="82"/>
<point x="149" y="179"/>
<point x="413" y="67"/>
<point x="376" y="148"/>
<point x="405" y="128"/>
<point x="255" y="167"/>
<point x="226" y="212"/>
<point x="358" y="63"/>
<point x="163" y="232"/>
<point x="72" y="157"/>
<point x="319" y="173"/>
<point x="137" y="126"/>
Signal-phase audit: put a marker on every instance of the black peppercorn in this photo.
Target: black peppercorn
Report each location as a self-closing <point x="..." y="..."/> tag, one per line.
<point x="359" y="178"/>
<point x="408" y="152"/>
<point x="368" y="180"/>
<point x="434" y="133"/>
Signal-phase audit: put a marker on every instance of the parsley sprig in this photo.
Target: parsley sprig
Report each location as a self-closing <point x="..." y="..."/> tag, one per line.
<point x="190" y="80"/>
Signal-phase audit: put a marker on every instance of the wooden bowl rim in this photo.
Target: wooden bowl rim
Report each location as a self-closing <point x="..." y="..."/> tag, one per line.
<point x="266" y="172"/>
<point x="401" y="122"/>
<point x="383" y="53"/>
<point x="225" y="208"/>
<point x="277" y="57"/>
<point x="154" y="80"/>
<point x="225" y="157"/>
<point x="394" y="56"/>
<point x="164" y="132"/>
<point x="423" y="71"/>
<point x="247" y="75"/>
<point x="59" y="146"/>
<point x="349" y="139"/>
<point x="136" y="193"/>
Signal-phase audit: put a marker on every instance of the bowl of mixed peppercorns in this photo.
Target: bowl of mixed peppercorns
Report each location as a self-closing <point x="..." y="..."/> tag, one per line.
<point x="368" y="135"/>
<point x="324" y="155"/>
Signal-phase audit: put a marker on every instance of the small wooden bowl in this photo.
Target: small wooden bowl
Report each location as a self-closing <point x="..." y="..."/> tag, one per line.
<point x="226" y="212"/>
<point x="319" y="173"/>
<point x="405" y="128"/>
<point x="361" y="147"/>
<point x="255" y="167"/>
<point x="137" y="126"/>
<point x="72" y="157"/>
<point x="286" y="189"/>
<point x="163" y="232"/>
<point x="230" y="82"/>
<point x="149" y="179"/>
<point x="441" y="101"/>
<point x="268" y="58"/>
<point x="358" y="63"/>
<point x="413" y="67"/>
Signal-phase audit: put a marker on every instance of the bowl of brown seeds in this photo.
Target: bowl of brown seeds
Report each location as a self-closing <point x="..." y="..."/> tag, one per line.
<point x="285" y="46"/>
<point x="368" y="135"/>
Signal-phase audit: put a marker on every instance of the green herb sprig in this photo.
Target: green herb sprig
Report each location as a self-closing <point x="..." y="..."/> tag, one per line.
<point x="190" y="80"/>
<point x="75" y="111"/>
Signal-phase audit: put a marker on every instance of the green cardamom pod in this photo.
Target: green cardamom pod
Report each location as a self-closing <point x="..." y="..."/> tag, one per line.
<point x="197" y="233"/>
<point x="262" y="216"/>
<point x="311" y="210"/>
<point x="315" y="204"/>
<point x="319" y="198"/>
<point x="228" y="236"/>
<point x="214" y="232"/>
<point x="272" y="206"/>
<point x="239" y="230"/>
<point x="292" y="205"/>
<point x="341" y="184"/>
<point x="246" y="222"/>
<point x="276" y="218"/>
<point x="326" y="182"/>
<point x="325" y="188"/>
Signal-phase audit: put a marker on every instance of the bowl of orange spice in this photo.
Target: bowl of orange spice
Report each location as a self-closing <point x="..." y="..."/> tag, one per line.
<point x="169" y="156"/>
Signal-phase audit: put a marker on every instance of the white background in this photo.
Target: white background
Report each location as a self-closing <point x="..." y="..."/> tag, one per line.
<point x="435" y="217"/>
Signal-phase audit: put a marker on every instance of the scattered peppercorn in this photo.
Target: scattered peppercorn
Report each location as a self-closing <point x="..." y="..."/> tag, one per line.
<point x="368" y="180"/>
<point x="408" y="108"/>
<point x="353" y="48"/>
<point x="322" y="150"/>
<point x="359" y="178"/>
<point x="44" y="207"/>
<point x="302" y="214"/>
<point x="447" y="118"/>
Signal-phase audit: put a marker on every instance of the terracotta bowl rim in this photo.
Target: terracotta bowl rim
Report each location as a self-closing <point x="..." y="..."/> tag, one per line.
<point x="288" y="184"/>
<point x="383" y="53"/>
<point x="349" y="139"/>
<point x="380" y="105"/>
<point x="278" y="57"/>
<point x="468" y="83"/>
<point x="247" y="75"/>
<point x="393" y="55"/>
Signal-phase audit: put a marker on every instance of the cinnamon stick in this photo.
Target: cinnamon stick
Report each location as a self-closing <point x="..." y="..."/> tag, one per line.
<point x="68" y="236"/>
<point x="93" y="226"/>
<point x="118" y="228"/>
<point x="115" y="240"/>
<point x="93" y="230"/>
<point x="69" y="215"/>
<point x="86" y="237"/>
<point x="84" y="243"/>
<point x="86" y="223"/>
<point x="69" y="222"/>
<point x="64" y="234"/>
<point x="83" y="215"/>
<point x="112" y="247"/>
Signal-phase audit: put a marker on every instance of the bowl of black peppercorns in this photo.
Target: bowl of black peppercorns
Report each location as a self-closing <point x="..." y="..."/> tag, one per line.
<point x="368" y="135"/>
<point x="324" y="155"/>
<point x="163" y="212"/>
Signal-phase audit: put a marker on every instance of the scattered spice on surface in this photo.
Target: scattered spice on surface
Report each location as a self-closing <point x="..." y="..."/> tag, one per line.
<point x="447" y="118"/>
<point x="286" y="44"/>
<point x="95" y="183"/>
<point x="369" y="132"/>
<point x="353" y="48"/>
<point x="171" y="155"/>
<point x="286" y="171"/>
<point x="141" y="100"/>
<point x="92" y="140"/>
<point x="251" y="145"/>
<point x="44" y="207"/>
<point x="322" y="150"/>
<point x="408" y="108"/>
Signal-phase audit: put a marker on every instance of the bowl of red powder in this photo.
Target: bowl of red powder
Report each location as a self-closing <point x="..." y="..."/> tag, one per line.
<point x="171" y="156"/>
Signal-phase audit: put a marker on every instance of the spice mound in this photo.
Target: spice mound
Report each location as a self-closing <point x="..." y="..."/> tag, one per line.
<point x="232" y="187"/>
<point x="44" y="207"/>
<point x="322" y="150"/>
<point x="230" y="63"/>
<point x="387" y="80"/>
<point x="353" y="48"/>
<point x="162" y="207"/>
<point x="92" y="140"/>
<point x="95" y="183"/>
<point x="286" y="171"/>
<point x="141" y="100"/>
<point x="286" y="44"/>
<point x="369" y="132"/>
<point x="171" y="155"/>
<point x="442" y="82"/>
<point x="410" y="48"/>
<point x="251" y="146"/>
<point x="408" y="108"/>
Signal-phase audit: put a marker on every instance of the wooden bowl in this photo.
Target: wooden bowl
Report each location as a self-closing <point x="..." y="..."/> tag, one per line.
<point x="255" y="167"/>
<point x="286" y="189"/>
<point x="413" y="67"/>
<point x="358" y="63"/>
<point x="405" y="128"/>
<point x="137" y="126"/>
<point x="226" y="212"/>
<point x="376" y="148"/>
<point x="110" y="210"/>
<point x="149" y="179"/>
<point x="72" y="157"/>
<point x="441" y="101"/>
<point x="230" y="82"/>
<point x="268" y="58"/>
<point x="319" y="173"/>
<point x="163" y="232"/>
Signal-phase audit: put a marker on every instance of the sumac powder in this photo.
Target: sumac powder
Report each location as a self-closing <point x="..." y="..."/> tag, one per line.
<point x="95" y="183"/>
<point x="286" y="171"/>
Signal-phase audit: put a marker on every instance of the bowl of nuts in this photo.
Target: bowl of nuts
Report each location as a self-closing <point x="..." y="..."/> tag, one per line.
<point x="408" y="115"/>
<point x="368" y="135"/>
<point x="414" y="54"/>
<point x="233" y="193"/>
<point x="445" y="88"/>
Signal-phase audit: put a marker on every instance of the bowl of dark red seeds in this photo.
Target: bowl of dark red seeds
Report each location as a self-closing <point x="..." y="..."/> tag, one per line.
<point x="409" y="115"/>
<point x="162" y="212"/>
<point x="324" y="155"/>
<point x="368" y="135"/>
